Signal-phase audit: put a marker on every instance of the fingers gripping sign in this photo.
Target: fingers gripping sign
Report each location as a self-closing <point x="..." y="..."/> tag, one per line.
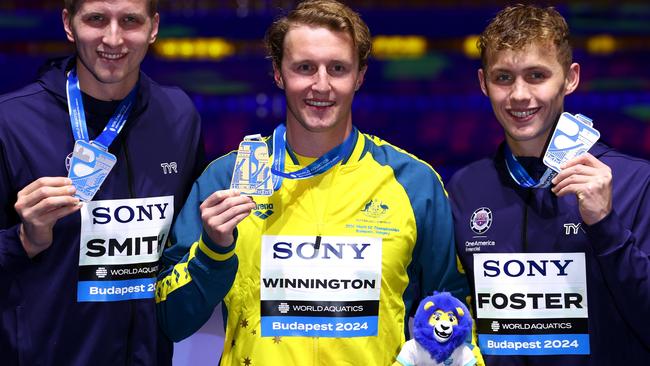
<point x="221" y="212"/>
<point x="40" y="205"/>
<point x="591" y="181"/>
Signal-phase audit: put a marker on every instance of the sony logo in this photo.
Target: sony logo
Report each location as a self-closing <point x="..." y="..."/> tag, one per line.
<point x="528" y="268"/>
<point x="124" y="214"/>
<point x="308" y="250"/>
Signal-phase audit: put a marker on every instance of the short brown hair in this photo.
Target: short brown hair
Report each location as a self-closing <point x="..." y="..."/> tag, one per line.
<point x="518" y="26"/>
<point x="73" y="5"/>
<point x="330" y="14"/>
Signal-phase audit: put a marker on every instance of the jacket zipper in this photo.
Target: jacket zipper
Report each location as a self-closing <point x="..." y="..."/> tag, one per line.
<point x="524" y="230"/>
<point x="129" y="171"/>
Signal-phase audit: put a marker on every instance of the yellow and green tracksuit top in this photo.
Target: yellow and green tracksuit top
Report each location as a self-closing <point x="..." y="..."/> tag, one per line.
<point x="385" y="240"/>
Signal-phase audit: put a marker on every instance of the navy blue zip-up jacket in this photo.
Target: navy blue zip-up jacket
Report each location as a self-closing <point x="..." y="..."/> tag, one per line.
<point x="41" y="321"/>
<point x="616" y="249"/>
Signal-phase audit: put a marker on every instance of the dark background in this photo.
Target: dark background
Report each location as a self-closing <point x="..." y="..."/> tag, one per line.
<point x="427" y="102"/>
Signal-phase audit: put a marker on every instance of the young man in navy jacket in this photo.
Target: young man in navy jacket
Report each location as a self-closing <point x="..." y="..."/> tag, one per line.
<point x="558" y="264"/>
<point x="77" y="279"/>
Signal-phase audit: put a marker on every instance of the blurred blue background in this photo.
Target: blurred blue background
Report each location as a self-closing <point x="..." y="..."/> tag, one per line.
<point x="421" y="91"/>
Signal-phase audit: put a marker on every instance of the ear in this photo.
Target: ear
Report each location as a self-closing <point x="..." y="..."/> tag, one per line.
<point x="481" y="79"/>
<point x="155" y="22"/>
<point x="572" y="78"/>
<point x="360" y="78"/>
<point x="460" y="311"/>
<point x="67" y="25"/>
<point x="277" y="76"/>
<point x="428" y="305"/>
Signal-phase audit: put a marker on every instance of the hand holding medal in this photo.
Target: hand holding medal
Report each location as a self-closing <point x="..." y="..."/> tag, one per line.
<point x="221" y="212"/>
<point x="40" y="205"/>
<point x="591" y="181"/>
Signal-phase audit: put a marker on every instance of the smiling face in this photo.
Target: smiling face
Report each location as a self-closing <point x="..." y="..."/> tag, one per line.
<point x="526" y="89"/>
<point x="319" y="73"/>
<point x="111" y="38"/>
<point x="443" y="324"/>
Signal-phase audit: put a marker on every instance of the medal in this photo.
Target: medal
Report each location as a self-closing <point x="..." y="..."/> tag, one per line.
<point x="252" y="172"/>
<point x="89" y="166"/>
<point x="572" y="137"/>
<point x="253" y="175"/>
<point x="91" y="162"/>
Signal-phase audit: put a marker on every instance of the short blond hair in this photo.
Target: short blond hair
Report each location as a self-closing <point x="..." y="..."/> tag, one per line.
<point x="330" y="14"/>
<point x="518" y="26"/>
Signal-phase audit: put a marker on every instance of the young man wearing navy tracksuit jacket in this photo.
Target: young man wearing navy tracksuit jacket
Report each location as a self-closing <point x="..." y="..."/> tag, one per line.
<point x="77" y="280"/>
<point x="560" y="271"/>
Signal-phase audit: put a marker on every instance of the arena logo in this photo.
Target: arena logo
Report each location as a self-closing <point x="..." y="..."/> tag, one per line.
<point x="481" y="220"/>
<point x="263" y="210"/>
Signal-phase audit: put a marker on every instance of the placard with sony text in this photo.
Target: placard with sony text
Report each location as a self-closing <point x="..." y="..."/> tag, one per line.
<point x="329" y="289"/>
<point x="531" y="303"/>
<point x="120" y="244"/>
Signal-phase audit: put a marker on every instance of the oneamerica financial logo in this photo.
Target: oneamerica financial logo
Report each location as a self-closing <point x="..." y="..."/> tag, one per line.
<point x="481" y="220"/>
<point x="263" y="210"/>
<point x="476" y="245"/>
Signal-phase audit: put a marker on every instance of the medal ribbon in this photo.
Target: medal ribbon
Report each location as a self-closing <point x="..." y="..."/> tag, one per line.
<point x="521" y="176"/>
<point x="321" y="165"/>
<point x="78" y="117"/>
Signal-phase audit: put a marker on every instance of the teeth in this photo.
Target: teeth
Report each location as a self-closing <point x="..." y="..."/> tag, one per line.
<point x="523" y="114"/>
<point x="315" y="103"/>
<point x="111" y="56"/>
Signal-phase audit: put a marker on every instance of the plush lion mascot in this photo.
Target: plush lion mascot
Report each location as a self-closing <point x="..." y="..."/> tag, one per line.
<point x="441" y="327"/>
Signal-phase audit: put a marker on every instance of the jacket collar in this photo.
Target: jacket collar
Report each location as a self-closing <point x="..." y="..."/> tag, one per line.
<point x="53" y="76"/>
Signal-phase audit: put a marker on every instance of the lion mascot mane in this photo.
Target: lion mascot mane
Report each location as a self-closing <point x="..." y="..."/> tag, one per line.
<point x="442" y="326"/>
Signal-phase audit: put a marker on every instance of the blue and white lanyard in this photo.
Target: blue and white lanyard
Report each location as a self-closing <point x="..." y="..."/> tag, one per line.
<point x="521" y="176"/>
<point x="78" y="117"/>
<point x="321" y="165"/>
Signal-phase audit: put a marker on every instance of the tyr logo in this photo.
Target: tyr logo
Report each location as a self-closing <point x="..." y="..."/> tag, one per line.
<point x="169" y="168"/>
<point x="571" y="228"/>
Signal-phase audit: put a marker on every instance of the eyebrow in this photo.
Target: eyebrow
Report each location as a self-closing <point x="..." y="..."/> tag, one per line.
<point x="312" y="61"/>
<point x="105" y="12"/>
<point x="526" y="69"/>
<point x="135" y="15"/>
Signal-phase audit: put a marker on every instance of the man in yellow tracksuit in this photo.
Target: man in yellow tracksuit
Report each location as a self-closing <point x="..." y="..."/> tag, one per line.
<point x="328" y="268"/>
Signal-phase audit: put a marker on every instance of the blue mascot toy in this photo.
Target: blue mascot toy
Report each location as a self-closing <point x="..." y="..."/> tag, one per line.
<point x="442" y="328"/>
